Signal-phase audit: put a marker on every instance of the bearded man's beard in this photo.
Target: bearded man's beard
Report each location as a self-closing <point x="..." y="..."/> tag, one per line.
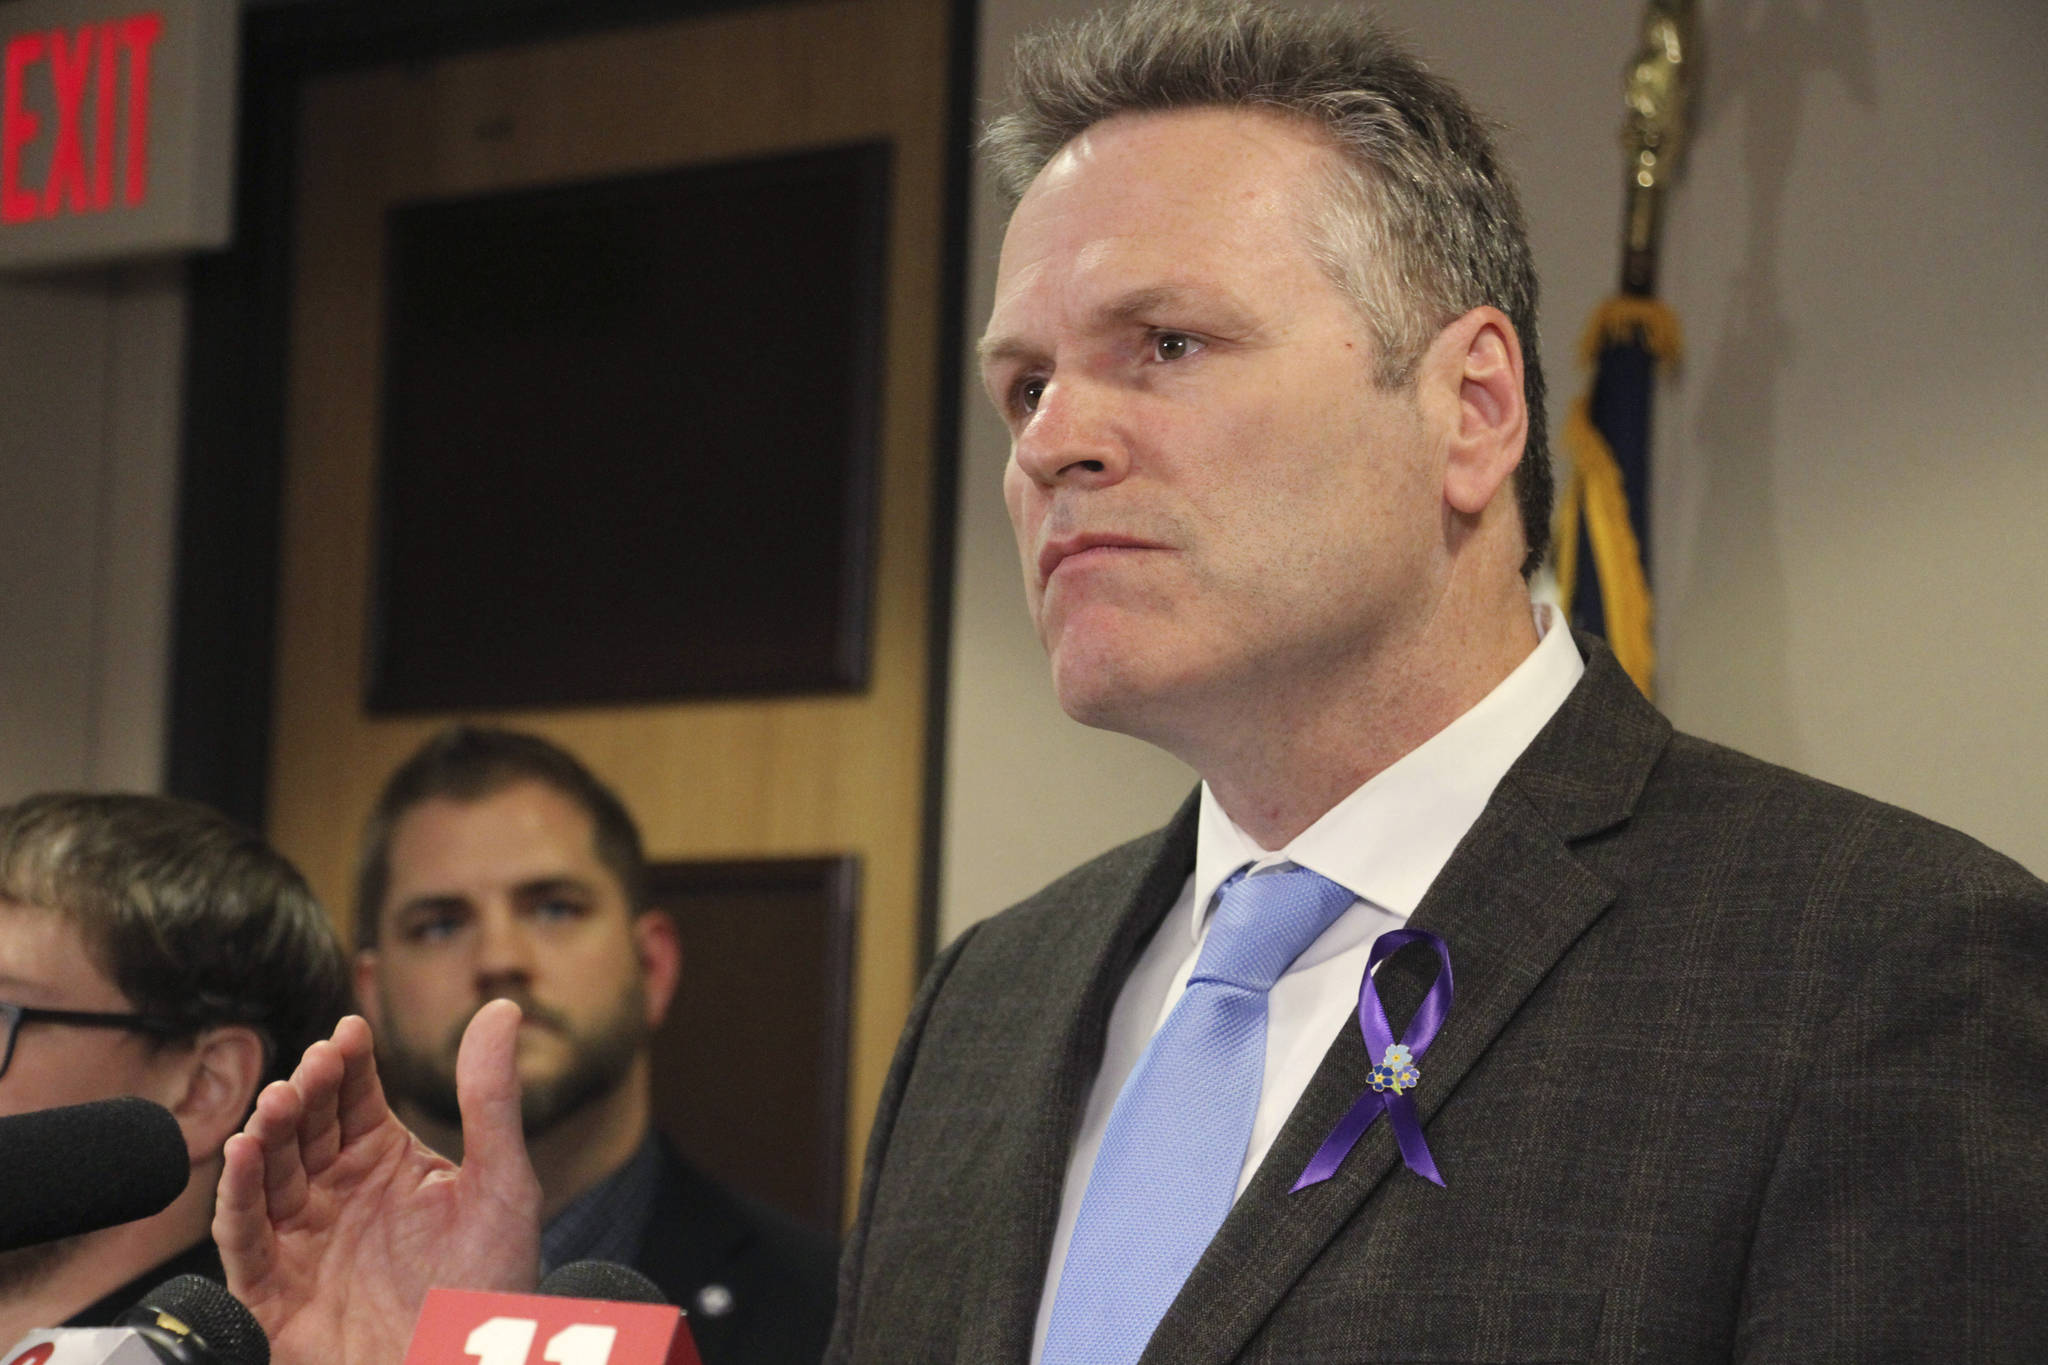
<point x="599" y="1062"/>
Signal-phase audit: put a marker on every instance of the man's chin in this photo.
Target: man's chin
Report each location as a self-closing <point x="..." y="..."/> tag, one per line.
<point x="1109" y="684"/>
<point x="23" y="1268"/>
<point x="547" y="1101"/>
<point x="537" y="1084"/>
<point x="540" y="1048"/>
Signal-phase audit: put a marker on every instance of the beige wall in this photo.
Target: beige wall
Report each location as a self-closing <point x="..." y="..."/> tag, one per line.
<point x="1851" y="464"/>
<point x="89" y="404"/>
<point x="1855" y="574"/>
<point x="1028" y="792"/>
<point x="1851" y="470"/>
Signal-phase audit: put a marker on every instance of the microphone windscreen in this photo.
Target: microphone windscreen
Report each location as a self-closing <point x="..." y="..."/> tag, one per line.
<point x="601" y="1280"/>
<point x="223" y="1326"/>
<point x="84" y="1167"/>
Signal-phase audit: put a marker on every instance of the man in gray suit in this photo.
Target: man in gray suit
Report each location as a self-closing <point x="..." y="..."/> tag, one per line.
<point x="1737" y="1066"/>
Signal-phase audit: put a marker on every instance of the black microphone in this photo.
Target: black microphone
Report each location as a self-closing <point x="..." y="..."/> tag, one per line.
<point x="85" y="1167"/>
<point x="601" y="1280"/>
<point x="190" y="1320"/>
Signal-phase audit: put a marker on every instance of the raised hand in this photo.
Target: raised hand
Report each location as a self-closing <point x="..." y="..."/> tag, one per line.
<point x="334" y="1220"/>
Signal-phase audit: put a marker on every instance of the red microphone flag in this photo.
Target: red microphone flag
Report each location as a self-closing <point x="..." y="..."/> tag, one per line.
<point x="468" y="1327"/>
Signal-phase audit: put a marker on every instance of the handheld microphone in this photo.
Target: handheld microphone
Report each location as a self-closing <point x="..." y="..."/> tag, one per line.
<point x="601" y="1280"/>
<point x="190" y="1320"/>
<point x="84" y="1167"/>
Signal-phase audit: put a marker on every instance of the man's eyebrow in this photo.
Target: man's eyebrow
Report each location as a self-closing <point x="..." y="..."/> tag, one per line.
<point x="1140" y="303"/>
<point x="14" y="988"/>
<point x="444" y="900"/>
<point x="998" y="350"/>
<point x="1220" y="312"/>
<point x="541" y="886"/>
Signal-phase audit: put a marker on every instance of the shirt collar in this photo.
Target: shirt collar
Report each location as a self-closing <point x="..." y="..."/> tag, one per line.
<point x="1388" y="839"/>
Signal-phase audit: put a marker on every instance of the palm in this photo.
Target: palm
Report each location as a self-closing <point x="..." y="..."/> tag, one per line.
<point x="334" y="1220"/>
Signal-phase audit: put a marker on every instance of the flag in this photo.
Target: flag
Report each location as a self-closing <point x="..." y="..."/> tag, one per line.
<point x="1603" y="519"/>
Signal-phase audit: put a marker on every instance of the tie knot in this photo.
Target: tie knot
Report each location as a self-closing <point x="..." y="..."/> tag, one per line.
<point x="1264" y="922"/>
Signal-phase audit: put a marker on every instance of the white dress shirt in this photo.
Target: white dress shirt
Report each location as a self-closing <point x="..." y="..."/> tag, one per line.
<point x="1385" y="842"/>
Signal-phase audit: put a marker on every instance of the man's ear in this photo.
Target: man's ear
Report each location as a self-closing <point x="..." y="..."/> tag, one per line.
<point x="368" y="999"/>
<point x="660" y="949"/>
<point x="216" y="1086"/>
<point x="1477" y="362"/>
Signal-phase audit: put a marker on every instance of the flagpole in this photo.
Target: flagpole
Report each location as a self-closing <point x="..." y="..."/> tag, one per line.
<point x="1657" y="88"/>
<point x="1603" y="518"/>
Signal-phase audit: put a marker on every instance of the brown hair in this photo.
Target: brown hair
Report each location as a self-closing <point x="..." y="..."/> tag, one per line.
<point x="468" y="763"/>
<point x="196" y="919"/>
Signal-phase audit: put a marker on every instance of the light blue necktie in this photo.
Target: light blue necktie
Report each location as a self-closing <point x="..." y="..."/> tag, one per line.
<point x="1167" y="1171"/>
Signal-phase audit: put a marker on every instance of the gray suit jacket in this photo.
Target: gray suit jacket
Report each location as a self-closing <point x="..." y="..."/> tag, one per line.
<point x="1741" y="1067"/>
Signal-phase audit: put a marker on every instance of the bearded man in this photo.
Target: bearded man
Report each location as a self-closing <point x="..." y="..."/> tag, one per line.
<point x="496" y="866"/>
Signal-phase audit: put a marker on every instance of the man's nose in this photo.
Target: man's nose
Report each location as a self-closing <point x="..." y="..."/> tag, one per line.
<point x="505" y="951"/>
<point x="1075" y="436"/>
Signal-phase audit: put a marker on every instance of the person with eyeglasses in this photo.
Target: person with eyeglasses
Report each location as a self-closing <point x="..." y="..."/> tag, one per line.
<point x="148" y="947"/>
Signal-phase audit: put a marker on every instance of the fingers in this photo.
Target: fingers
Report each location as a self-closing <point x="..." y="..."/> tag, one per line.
<point x="317" y="1084"/>
<point x="275" y="1129"/>
<point x="487" y="1088"/>
<point x="296" y="1128"/>
<point x="361" y="1105"/>
<point x="241" y="1218"/>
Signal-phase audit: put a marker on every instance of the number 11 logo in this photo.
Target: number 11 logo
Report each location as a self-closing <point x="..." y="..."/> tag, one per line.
<point x="509" y="1341"/>
<point x="470" y="1327"/>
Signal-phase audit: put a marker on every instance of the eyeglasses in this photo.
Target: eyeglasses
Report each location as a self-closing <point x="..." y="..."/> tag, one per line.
<point x="12" y="1017"/>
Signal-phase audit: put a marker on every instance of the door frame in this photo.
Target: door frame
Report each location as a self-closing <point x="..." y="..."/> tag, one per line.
<point x="223" y="624"/>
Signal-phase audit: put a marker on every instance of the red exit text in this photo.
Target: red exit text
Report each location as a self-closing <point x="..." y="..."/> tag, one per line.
<point x="84" y="70"/>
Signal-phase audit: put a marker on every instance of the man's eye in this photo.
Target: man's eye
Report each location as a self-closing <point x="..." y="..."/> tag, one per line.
<point x="558" y="908"/>
<point x="1028" y="394"/>
<point x="1173" y="345"/>
<point x="433" y="928"/>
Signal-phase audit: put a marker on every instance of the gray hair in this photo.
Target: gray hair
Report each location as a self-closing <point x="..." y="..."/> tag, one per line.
<point x="1422" y="223"/>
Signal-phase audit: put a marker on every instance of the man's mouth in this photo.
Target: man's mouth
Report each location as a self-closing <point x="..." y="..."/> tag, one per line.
<point x="1084" y="546"/>
<point x="533" y="1017"/>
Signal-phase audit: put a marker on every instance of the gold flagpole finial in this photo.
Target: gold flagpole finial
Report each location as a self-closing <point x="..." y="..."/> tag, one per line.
<point x="1655" y="86"/>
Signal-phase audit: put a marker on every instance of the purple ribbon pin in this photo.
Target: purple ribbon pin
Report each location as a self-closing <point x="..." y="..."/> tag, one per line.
<point x="1395" y="1073"/>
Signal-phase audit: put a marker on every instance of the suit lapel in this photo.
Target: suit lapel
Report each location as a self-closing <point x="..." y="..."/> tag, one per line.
<point x="1058" y="1051"/>
<point x="683" y="1198"/>
<point x="1510" y="903"/>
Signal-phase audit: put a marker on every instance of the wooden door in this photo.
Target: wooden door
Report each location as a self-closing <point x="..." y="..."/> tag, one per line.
<point x="784" y="777"/>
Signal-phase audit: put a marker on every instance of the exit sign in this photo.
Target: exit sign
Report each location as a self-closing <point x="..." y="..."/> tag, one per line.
<point x="116" y="128"/>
